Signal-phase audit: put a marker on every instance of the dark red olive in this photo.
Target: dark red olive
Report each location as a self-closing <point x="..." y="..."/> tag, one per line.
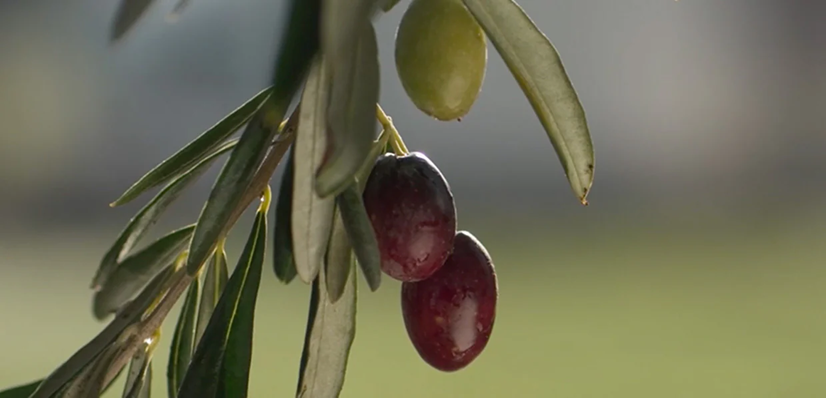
<point x="411" y="208"/>
<point x="449" y="317"/>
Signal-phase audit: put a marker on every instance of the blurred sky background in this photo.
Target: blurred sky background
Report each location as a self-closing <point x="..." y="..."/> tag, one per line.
<point x="697" y="270"/>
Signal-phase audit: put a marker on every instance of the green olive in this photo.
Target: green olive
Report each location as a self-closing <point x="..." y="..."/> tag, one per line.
<point x="441" y="55"/>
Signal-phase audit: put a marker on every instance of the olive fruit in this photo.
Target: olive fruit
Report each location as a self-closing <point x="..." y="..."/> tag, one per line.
<point x="449" y="317"/>
<point x="441" y="56"/>
<point x="412" y="212"/>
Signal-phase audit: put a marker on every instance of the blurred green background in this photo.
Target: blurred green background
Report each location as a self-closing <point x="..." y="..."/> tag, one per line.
<point x="697" y="270"/>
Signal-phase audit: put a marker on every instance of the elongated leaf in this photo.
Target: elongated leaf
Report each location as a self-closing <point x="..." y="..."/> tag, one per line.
<point x="124" y="319"/>
<point x="336" y="270"/>
<point x="136" y="270"/>
<point x="331" y="329"/>
<point x="139" y="379"/>
<point x="283" y="262"/>
<point x="214" y="282"/>
<point x="220" y="365"/>
<point x="196" y="150"/>
<point x="361" y="235"/>
<point x="150" y="213"/>
<point x="91" y="381"/>
<point x="128" y="14"/>
<point x="21" y="391"/>
<point x="351" y="114"/>
<point x="379" y="147"/>
<point x="183" y="340"/>
<point x="536" y="65"/>
<point x="341" y="26"/>
<point x="312" y="215"/>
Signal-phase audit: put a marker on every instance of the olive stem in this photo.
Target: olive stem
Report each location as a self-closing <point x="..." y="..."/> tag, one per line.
<point x="396" y="139"/>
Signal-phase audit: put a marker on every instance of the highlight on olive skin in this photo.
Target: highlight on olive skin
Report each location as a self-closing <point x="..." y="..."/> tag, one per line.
<point x="441" y="57"/>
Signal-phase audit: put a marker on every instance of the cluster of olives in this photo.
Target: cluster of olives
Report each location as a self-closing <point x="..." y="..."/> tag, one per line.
<point x="449" y="286"/>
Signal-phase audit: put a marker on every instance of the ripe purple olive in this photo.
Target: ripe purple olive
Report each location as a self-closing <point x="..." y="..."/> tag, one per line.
<point x="412" y="212"/>
<point x="449" y="317"/>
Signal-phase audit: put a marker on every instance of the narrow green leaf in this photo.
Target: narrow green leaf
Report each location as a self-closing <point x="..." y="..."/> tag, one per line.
<point x="90" y="383"/>
<point x="312" y="215"/>
<point x="183" y="340"/>
<point x="220" y="364"/>
<point x="283" y="262"/>
<point x="214" y="282"/>
<point x="21" y="391"/>
<point x="536" y="65"/>
<point x="331" y="329"/>
<point x="351" y="114"/>
<point x="341" y="26"/>
<point x="150" y="213"/>
<point x="196" y="150"/>
<point x="128" y="14"/>
<point x="336" y="269"/>
<point x="124" y="319"/>
<point x="139" y="379"/>
<point x="361" y="235"/>
<point x="136" y="270"/>
<point x="379" y="147"/>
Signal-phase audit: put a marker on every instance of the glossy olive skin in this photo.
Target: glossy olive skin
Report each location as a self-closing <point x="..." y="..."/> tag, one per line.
<point x="412" y="212"/>
<point x="441" y="57"/>
<point x="449" y="317"/>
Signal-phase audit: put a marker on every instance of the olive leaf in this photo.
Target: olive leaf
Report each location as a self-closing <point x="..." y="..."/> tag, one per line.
<point x="360" y="234"/>
<point x="21" y="391"/>
<point x="312" y="215"/>
<point x="283" y="261"/>
<point x="351" y="114"/>
<point x="331" y="329"/>
<point x="336" y="270"/>
<point x="221" y="362"/>
<point x="183" y="340"/>
<point x="92" y="379"/>
<point x="196" y="150"/>
<point x="536" y="65"/>
<point x="137" y="269"/>
<point x="214" y="282"/>
<point x="297" y="50"/>
<point x="113" y="332"/>
<point x="139" y="378"/>
<point x="128" y="14"/>
<point x="150" y="213"/>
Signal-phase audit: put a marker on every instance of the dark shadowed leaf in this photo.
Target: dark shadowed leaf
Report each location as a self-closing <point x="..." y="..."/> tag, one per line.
<point x="351" y="114"/>
<point x="283" y="262"/>
<point x="136" y="270"/>
<point x="387" y="5"/>
<point x="180" y="352"/>
<point x="536" y="65"/>
<point x="338" y="259"/>
<point x="125" y="318"/>
<point x="192" y="153"/>
<point x="361" y="235"/>
<point x="312" y="215"/>
<point x="139" y="378"/>
<point x="150" y="213"/>
<point x="220" y="364"/>
<point x="22" y="391"/>
<point x="331" y="329"/>
<point x="214" y="282"/>
<point x="128" y="14"/>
